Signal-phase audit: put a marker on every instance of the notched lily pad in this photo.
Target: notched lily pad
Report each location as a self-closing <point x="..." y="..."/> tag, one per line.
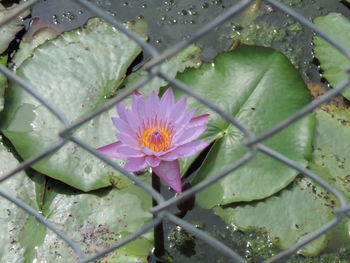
<point x="287" y="217"/>
<point x="260" y="88"/>
<point x="332" y="61"/>
<point x="73" y="72"/>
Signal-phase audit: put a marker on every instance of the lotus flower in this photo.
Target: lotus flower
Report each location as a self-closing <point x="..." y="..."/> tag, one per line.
<point x="156" y="133"/>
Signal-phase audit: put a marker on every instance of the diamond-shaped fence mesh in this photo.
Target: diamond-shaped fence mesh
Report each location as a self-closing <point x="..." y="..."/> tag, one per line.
<point x="254" y="143"/>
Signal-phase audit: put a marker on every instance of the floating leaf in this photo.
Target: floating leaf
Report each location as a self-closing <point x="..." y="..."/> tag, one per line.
<point x="187" y="58"/>
<point x="12" y="218"/>
<point x="286" y="217"/>
<point x="331" y="150"/>
<point x="30" y="42"/>
<point x="58" y="70"/>
<point x="95" y="221"/>
<point x="260" y="88"/>
<point x="332" y="61"/>
<point x="82" y="53"/>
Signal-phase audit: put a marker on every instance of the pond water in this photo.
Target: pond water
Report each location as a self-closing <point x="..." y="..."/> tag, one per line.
<point x="171" y="21"/>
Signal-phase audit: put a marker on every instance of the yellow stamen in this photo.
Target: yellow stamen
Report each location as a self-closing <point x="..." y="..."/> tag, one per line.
<point x="155" y="135"/>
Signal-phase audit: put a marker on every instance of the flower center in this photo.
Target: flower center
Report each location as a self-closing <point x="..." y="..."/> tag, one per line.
<point x="156" y="136"/>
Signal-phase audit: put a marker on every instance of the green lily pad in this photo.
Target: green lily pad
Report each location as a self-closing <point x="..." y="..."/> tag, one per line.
<point x="286" y="217"/>
<point x="260" y="88"/>
<point x="330" y="157"/>
<point x="74" y="72"/>
<point x="3" y="83"/>
<point x="21" y="187"/>
<point x="187" y="58"/>
<point x="332" y="61"/>
<point x="26" y="122"/>
<point x="330" y="154"/>
<point x="9" y="31"/>
<point x="95" y="221"/>
<point x="30" y="42"/>
<point x="331" y="148"/>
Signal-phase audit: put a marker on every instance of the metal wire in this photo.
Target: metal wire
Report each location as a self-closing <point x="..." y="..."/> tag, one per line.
<point x="153" y="68"/>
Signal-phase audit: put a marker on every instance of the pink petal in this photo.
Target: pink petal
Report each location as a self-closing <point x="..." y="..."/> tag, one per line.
<point x="122" y="126"/>
<point x="121" y="111"/>
<point x="198" y="121"/>
<point x="167" y="101"/>
<point x="178" y="109"/>
<point x="135" y="164"/>
<point x="185" y="150"/>
<point x="127" y="140"/>
<point x="152" y="161"/>
<point x="189" y="135"/>
<point x="182" y="122"/>
<point x="169" y="172"/>
<point x="130" y="152"/>
<point x="153" y="103"/>
<point x="141" y="108"/>
<point x="132" y="119"/>
<point x="168" y="97"/>
<point x="136" y="97"/>
<point x="110" y="150"/>
<point x="149" y="152"/>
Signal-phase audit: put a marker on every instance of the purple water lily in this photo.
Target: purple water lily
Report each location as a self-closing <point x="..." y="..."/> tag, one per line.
<point x="156" y="133"/>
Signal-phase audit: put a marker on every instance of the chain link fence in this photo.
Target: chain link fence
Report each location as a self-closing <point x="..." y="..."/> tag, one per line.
<point x="253" y="142"/>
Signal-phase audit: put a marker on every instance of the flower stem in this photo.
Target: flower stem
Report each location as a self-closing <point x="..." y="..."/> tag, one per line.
<point x="158" y="230"/>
